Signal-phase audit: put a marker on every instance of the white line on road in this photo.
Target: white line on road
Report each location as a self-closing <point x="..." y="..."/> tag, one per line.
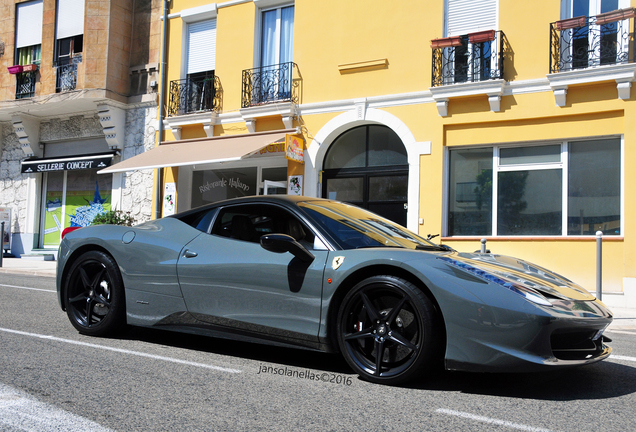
<point x="20" y="411"/>
<point x="123" y="351"/>
<point x="618" y="357"/>
<point x="622" y="332"/>
<point x="490" y="420"/>
<point x="27" y="288"/>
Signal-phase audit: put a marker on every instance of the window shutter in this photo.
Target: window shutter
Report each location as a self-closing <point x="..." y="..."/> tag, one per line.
<point x="70" y="18"/>
<point x="29" y="24"/>
<point x="467" y="16"/>
<point x="201" y="45"/>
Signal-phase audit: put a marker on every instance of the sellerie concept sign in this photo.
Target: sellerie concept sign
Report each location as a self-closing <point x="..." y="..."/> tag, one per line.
<point x="69" y="164"/>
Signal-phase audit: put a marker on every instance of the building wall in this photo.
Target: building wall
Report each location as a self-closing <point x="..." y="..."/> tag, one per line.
<point x="364" y="62"/>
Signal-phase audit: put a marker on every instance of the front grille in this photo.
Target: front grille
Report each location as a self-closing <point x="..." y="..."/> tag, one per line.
<point x="576" y="345"/>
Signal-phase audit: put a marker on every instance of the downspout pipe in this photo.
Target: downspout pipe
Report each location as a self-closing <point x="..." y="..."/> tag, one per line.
<point x="162" y="92"/>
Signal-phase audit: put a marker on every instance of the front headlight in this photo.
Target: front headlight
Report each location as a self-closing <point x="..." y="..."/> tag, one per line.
<point x="514" y="286"/>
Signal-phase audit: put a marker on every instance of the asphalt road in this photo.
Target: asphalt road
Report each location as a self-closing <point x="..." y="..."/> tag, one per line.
<point x="52" y="378"/>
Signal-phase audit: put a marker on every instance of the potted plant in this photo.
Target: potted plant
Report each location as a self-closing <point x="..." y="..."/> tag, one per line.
<point x="113" y="217"/>
<point x="29" y="68"/>
<point x="15" y="69"/>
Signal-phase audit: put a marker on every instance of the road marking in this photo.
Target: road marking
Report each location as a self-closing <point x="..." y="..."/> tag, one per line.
<point x="618" y="357"/>
<point x="27" y="288"/>
<point x="20" y="411"/>
<point x="491" y="420"/>
<point x="622" y="332"/>
<point x="122" y="351"/>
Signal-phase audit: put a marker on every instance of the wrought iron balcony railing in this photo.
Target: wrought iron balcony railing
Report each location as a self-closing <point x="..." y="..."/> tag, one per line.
<point x="472" y="57"/>
<point x="25" y="85"/>
<point x="586" y="42"/>
<point x="66" y="77"/>
<point x="269" y="84"/>
<point x="194" y="95"/>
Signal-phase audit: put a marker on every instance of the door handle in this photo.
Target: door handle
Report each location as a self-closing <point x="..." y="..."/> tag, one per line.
<point x="190" y="254"/>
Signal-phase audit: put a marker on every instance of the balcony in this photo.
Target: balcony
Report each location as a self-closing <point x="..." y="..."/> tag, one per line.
<point x="474" y="57"/>
<point x="25" y="84"/>
<point x="193" y="95"/>
<point x="66" y="75"/>
<point x="587" y="42"/>
<point x="269" y="84"/>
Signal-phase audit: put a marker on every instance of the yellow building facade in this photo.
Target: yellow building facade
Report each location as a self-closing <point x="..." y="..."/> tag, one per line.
<point x="490" y="119"/>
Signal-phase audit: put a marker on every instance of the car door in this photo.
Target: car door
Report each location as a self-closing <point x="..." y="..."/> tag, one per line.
<point x="228" y="279"/>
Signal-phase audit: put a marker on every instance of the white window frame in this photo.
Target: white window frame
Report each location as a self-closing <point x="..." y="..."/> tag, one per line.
<point x="263" y="6"/>
<point x="563" y="164"/>
<point x="594" y="8"/>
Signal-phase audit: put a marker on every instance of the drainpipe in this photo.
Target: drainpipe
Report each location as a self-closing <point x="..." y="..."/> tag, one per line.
<point x="159" y="176"/>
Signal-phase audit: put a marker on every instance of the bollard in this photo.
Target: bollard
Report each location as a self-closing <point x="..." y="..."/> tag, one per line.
<point x="483" y="245"/>
<point x="1" y="241"/>
<point x="599" y="265"/>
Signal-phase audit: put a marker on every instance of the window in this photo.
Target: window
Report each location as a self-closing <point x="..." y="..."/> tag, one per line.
<point x="28" y="46"/>
<point x="277" y="36"/>
<point x="592" y="44"/>
<point x="472" y="59"/>
<point x="250" y="222"/>
<point x="570" y="188"/>
<point x="68" y="49"/>
<point x="69" y="42"/>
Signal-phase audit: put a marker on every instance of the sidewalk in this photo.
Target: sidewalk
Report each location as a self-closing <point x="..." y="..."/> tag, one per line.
<point x="624" y="317"/>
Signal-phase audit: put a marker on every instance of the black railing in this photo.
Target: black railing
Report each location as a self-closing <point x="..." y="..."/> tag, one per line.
<point x="472" y="57"/>
<point x="269" y="84"/>
<point x="194" y="95"/>
<point x="586" y="42"/>
<point x="66" y="77"/>
<point x="25" y="85"/>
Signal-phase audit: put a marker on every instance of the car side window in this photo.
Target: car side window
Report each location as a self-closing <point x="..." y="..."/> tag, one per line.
<point x="250" y="222"/>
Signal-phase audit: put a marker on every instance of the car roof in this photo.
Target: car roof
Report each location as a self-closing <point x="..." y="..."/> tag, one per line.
<point x="287" y="200"/>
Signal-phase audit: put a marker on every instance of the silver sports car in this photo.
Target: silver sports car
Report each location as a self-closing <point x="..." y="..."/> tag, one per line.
<point x="325" y="275"/>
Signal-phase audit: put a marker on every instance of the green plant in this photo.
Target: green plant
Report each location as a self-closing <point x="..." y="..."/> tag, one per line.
<point x="114" y="217"/>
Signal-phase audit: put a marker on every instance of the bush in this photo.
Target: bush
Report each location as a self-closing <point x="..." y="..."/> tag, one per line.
<point x="114" y="217"/>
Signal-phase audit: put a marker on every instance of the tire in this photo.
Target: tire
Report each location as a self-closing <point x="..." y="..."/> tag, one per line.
<point x="387" y="330"/>
<point x="94" y="295"/>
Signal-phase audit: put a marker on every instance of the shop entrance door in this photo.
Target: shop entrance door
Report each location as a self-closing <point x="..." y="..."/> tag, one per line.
<point x="367" y="166"/>
<point x="71" y="198"/>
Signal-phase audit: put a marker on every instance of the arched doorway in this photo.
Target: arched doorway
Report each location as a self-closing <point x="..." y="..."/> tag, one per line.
<point x="368" y="166"/>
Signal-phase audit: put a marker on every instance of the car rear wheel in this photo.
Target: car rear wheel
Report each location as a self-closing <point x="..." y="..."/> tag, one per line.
<point x="386" y="330"/>
<point x="95" y="295"/>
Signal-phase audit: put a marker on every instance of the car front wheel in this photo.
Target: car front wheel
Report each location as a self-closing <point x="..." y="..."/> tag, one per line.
<point x="95" y="295"/>
<point x="386" y="330"/>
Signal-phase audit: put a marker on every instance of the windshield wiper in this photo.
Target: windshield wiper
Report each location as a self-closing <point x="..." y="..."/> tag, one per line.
<point x="441" y="247"/>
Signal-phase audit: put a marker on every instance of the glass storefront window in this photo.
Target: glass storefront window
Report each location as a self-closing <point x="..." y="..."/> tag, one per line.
<point x="470" y="194"/>
<point x="215" y="185"/>
<point x="530" y="192"/>
<point x="594" y="184"/>
<point x="73" y="198"/>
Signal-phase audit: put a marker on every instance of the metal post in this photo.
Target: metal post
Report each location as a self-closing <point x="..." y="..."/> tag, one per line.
<point x="1" y="241"/>
<point x="599" y="265"/>
<point x="483" y="245"/>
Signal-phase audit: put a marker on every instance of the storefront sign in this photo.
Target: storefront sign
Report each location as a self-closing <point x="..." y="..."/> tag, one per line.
<point x="5" y="216"/>
<point x="169" y="198"/>
<point x="295" y="185"/>
<point x="294" y="145"/>
<point x="67" y="164"/>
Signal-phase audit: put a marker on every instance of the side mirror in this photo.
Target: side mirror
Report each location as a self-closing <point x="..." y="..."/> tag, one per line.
<point x="281" y="243"/>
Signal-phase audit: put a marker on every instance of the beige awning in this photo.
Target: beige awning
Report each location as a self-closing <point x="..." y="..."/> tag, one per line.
<point x="199" y="151"/>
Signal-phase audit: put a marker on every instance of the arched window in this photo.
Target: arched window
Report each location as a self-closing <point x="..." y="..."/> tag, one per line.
<point x="368" y="166"/>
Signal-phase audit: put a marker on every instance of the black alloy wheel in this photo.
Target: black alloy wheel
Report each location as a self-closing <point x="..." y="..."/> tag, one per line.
<point x="387" y="330"/>
<point x="94" y="295"/>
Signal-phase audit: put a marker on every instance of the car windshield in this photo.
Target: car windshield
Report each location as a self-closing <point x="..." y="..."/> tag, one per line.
<point x="353" y="227"/>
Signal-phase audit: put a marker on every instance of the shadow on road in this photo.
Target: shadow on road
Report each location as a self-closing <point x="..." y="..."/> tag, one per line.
<point x="265" y="353"/>
<point x="601" y="380"/>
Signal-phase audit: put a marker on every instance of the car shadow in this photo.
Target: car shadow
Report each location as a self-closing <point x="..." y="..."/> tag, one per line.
<point x="603" y="380"/>
<point x="300" y="358"/>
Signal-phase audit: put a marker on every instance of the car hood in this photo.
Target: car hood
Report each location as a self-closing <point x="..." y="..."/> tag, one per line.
<point x="523" y="273"/>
